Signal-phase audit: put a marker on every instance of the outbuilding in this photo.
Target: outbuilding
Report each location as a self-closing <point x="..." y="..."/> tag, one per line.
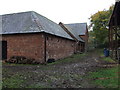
<point x="80" y="43"/>
<point x="80" y="31"/>
<point x="114" y="32"/>
<point x="34" y="36"/>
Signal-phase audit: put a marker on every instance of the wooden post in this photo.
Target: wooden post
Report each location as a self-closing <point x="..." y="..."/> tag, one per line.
<point x="116" y="45"/>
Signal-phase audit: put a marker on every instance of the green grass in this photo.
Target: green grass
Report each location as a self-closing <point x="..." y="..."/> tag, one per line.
<point x="108" y="59"/>
<point x="72" y="58"/>
<point x="101" y="54"/>
<point x="38" y="85"/>
<point x="107" y="78"/>
<point x="14" y="81"/>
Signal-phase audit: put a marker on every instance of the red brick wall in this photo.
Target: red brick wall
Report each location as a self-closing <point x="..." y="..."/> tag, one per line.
<point x="58" y="48"/>
<point x="28" y="45"/>
<point x="77" y="47"/>
<point x="33" y="46"/>
<point x="85" y="38"/>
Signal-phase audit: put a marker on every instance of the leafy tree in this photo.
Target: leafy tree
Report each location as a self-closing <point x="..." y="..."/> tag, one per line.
<point x="99" y="23"/>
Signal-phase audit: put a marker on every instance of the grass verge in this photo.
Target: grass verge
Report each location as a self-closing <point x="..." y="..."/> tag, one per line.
<point x="103" y="58"/>
<point x="107" y="78"/>
<point x="108" y="59"/>
<point x="70" y="59"/>
<point x="14" y="81"/>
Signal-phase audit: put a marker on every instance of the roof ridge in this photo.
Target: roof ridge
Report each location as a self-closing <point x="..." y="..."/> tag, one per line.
<point x="66" y="29"/>
<point x="70" y="29"/>
<point x="44" y="17"/>
<point x="35" y="17"/>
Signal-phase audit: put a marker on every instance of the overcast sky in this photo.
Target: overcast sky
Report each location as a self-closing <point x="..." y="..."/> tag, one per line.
<point x="66" y="11"/>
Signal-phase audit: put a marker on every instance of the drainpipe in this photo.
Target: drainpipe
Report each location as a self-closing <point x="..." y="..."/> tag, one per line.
<point x="45" y="47"/>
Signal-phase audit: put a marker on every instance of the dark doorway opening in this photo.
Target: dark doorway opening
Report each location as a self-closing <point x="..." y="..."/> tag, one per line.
<point x="4" y="50"/>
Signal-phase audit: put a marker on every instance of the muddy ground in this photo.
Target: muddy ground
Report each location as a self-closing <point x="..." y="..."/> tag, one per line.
<point x="60" y="75"/>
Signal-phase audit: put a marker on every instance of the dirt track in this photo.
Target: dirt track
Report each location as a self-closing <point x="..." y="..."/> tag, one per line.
<point x="62" y="75"/>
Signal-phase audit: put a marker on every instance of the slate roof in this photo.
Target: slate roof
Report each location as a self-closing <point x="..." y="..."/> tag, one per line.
<point x="73" y="32"/>
<point x="30" y="22"/>
<point x="77" y="28"/>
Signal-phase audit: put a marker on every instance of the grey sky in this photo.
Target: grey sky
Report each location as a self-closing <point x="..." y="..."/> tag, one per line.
<point x="66" y="11"/>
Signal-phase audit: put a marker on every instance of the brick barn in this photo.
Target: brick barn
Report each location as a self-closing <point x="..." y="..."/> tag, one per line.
<point x="34" y="36"/>
<point x="79" y="46"/>
<point x="80" y="31"/>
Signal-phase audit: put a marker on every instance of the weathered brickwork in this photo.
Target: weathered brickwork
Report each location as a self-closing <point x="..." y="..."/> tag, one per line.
<point x="38" y="46"/>
<point x="79" y="47"/>
<point x="28" y="45"/>
<point x="38" y="38"/>
<point x="85" y="38"/>
<point x="58" y="48"/>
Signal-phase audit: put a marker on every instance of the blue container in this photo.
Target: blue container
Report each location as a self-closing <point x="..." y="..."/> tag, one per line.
<point x="106" y="52"/>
